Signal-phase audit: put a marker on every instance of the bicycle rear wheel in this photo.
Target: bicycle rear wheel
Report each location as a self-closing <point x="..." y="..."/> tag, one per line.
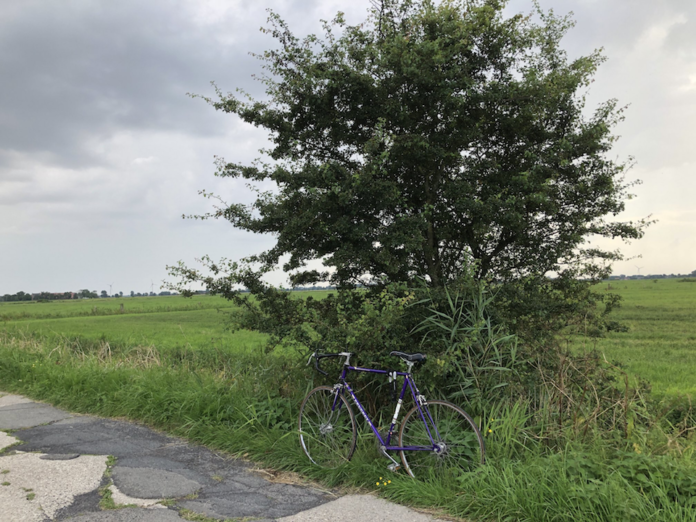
<point x="458" y="441"/>
<point x="327" y="427"/>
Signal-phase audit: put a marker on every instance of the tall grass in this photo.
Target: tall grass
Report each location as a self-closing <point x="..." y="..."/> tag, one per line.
<point x="549" y="489"/>
<point x="246" y="404"/>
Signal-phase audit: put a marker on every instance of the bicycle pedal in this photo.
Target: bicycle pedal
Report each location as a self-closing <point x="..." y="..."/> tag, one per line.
<point x="394" y="467"/>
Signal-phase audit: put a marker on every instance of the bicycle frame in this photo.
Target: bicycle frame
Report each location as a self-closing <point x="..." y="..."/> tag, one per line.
<point x="418" y="399"/>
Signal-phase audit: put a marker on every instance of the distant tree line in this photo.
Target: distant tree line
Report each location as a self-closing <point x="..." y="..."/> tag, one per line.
<point x="47" y="296"/>
<point x="314" y="287"/>
<point x="82" y="294"/>
<point x="92" y="294"/>
<point x="19" y="296"/>
<point x="650" y="276"/>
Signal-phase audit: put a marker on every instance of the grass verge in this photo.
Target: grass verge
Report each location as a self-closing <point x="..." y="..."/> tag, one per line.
<point x="247" y="405"/>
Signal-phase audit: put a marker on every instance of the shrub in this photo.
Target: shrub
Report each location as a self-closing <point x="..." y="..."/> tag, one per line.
<point x="474" y="360"/>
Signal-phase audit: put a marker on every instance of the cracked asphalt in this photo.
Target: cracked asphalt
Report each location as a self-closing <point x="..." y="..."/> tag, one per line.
<point x="55" y="465"/>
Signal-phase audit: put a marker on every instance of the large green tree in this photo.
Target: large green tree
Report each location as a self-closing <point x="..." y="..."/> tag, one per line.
<point x="432" y="136"/>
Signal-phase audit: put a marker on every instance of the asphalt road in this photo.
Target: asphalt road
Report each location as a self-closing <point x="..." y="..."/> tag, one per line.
<point x="55" y="465"/>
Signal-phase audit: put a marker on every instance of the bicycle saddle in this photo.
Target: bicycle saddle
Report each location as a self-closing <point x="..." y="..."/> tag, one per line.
<point x="410" y="357"/>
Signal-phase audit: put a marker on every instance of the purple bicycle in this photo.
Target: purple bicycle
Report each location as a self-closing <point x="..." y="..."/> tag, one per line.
<point x="434" y="438"/>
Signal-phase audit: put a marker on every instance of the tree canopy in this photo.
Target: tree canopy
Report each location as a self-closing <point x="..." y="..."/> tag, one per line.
<point x="435" y="151"/>
<point x="432" y="136"/>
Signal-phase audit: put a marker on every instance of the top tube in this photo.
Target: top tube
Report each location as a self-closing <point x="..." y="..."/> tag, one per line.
<point x="348" y="368"/>
<point x="374" y="370"/>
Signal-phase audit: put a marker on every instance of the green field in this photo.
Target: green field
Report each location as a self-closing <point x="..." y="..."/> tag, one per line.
<point x="163" y="322"/>
<point x="660" y="344"/>
<point x="13" y="311"/>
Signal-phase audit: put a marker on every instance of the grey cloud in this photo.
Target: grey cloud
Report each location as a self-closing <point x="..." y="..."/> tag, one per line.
<point x="617" y="25"/>
<point x="650" y="49"/>
<point x="72" y="74"/>
<point x="75" y="70"/>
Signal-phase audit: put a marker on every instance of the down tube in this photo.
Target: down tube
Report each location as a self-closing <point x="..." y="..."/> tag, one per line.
<point x="364" y="414"/>
<point x="420" y="411"/>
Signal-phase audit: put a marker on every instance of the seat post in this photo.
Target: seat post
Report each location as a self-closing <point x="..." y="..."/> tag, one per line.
<point x="410" y="365"/>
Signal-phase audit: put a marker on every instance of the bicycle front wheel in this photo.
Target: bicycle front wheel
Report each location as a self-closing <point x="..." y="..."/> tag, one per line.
<point x="458" y="443"/>
<point x="327" y="427"/>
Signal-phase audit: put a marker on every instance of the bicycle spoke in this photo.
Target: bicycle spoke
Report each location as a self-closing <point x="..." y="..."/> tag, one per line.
<point x="327" y="436"/>
<point x="458" y="443"/>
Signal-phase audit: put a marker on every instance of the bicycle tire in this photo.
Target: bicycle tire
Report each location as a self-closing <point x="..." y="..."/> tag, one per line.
<point x="327" y="437"/>
<point x="462" y="446"/>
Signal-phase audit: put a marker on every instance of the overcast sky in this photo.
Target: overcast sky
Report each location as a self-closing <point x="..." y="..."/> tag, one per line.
<point x="101" y="151"/>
